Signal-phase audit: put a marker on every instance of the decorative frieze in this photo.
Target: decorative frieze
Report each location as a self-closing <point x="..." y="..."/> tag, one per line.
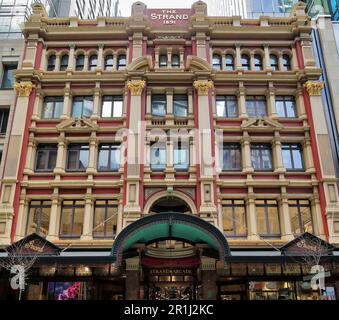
<point x="136" y="87"/>
<point x="314" y="87"/>
<point x="23" y="88"/>
<point x="202" y="86"/>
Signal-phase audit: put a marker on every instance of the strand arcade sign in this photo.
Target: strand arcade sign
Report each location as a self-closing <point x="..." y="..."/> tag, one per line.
<point x="169" y="17"/>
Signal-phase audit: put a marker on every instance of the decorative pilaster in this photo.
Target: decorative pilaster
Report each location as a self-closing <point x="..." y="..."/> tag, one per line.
<point x="23" y="88"/>
<point x="314" y="87"/>
<point x="203" y="86"/>
<point x="136" y="87"/>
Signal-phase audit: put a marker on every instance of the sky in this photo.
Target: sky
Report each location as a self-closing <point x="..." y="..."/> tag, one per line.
<point x="125" y="5"/>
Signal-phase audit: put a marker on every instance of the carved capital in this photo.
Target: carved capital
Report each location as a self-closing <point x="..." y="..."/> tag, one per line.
<point x="202" y="86"/>
<point x="136" y="87"/>
<point x="23" y="88"/>
<point x="314" y="87"/>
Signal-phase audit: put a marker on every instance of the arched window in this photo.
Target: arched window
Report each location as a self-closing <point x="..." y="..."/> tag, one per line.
<point x="257" y="62"/>
<point x="163" y="61"/>
<point x="245" y="62"/>
<point x="175" y="61"/>
<point x="216" y="61"/>
<point x="51" y="62"/>
<point x="80" y="62"/>
<point x="286" y="62"/>
<point x="121" y="62"/>
<point x="274" y="62"/>
<point x="229" y="62"/>
<point x="64" y="62"/>
<point x="109" y="62"/>
<point x="93" y="62"/>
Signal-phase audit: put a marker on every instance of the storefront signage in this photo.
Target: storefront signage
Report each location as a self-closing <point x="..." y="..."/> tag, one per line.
<point x="273" y="269"/>
<point x="169" y="17"/>
<point x="292" y="269"/>
<point x="170" y="271"/>
<point x="255" y="269"/>
<point x="239" y="269"/>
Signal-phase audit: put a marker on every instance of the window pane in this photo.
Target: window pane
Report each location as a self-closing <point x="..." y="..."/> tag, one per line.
<point x="240" y="220"/>
<point x="58" y="108"/>
<point x="158" y="157"/>
<point x="117" y="110"/>
<point x="250" y="107"/>
<point x="78" y="222"/>
<point x="220" y="106"/>
<point x="266" y="159"/>
<point x="290" y="109"/>
<point x="261" y="108"/>
<point x="52" y="159"/>
<point x="306" y="219"/>
<point x="295" y="225"/>
<point x="261" y="220"/>
<point x="111" y="222"/>
<point x="47" y="112"/>
<point x="106" y="109"/>
<point x="41" y="162"/>
<point x="286" y="154"/>
<point x="297" y="159"/>
<point x="103" y="159"/>
<point x="77" y="108"/>
<point x="88" y="107"/>
<point x="273" y="221"/>
<point x="232" y="108"/>
<point x="280" y="108"/>
<point x="180" y="105"/>
<point x="83" y="159"/>
<point x="72" y="160"/>
<point x="228" y="220"/>
<point x="8" y="77"/>
<point x="66" y="222"/>
<point x="99" y="226"/>
<point x="159" y="105"/>
<point x="115" y="159"/>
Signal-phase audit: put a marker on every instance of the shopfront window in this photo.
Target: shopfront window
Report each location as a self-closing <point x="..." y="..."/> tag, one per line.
<point x="72" y="218"/>
<point x="267" y="218"/>
<point x="272" y="290"/>
<point x="234" y="218"/>
<point x="38" y="218"/>
<point x="300" y="215"/>
<point x="105" y="219"/>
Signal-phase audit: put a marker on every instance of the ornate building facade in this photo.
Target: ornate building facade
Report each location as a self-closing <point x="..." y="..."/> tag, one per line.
<point x="169" y="154"/>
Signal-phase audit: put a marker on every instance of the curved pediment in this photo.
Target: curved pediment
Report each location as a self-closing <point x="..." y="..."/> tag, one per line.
<point x="195" y="63"/>
<point x="141" y="64"/>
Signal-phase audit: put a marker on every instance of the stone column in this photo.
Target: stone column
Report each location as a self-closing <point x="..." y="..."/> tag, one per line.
<point x="278" y="162"/>
<point x="190" y="101"/>
<point x="223" y="61"/>
<point x="307" y="152"/>
<point x="280" y="61"/>
<point x="66" y="112"/>
<point x="115" y="60"/>
<point x="86" y="62"/>
<point x="43" y="64"/>
<point x="242" y="101"/>
<point x="317" y="220"/>
<point x="238" y="57"/>
<point x="267" y="63"/>
<point x="270" y="98"/>
<point x="61" y="155"/>
<point x="182" y="62"/>
<point x="96" y="103"/>
<point x="294" y="62"/>
<point x="205" y="144"/>
<point x="157" y="55"/>
<point x="251" y="60"/>
<point x="100" y="65"/>
<point x="88" y="217"/>
<point x="132" y="280"/>
<point x="252" y="218"/>
<point x="208" y="279"/>
<point x="37" y="111"/>
<point x="54" y="219"/>
<point x="148" y="101"/>
<point x="93" y="146"/>
<point x="30" y="156"/>
<point x="57" y="61"/>
<point x="246" y="153"/>
<point x="169" y="58"/>
<point x="285" y="219"/>
<point x="201" y="45"/>
<point x="22" y="218"/>
<point x="169" y="106"/>
<point x="71" y="59"/>
<point x="300" y="103"/>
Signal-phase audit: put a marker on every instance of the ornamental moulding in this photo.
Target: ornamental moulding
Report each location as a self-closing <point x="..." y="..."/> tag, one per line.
<point x="23" y="88"/>
<point x="136" y="87"/>
<point x="203" y="86"/>
<point x="314" y="87"/>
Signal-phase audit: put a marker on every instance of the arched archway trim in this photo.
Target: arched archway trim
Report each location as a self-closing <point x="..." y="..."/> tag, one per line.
<point x="169" y="225"/>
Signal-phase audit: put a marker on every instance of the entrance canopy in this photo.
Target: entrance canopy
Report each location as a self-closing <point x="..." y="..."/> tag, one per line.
<point x="170" y="225"/>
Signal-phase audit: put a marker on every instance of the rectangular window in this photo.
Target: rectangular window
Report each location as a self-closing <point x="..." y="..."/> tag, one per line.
<point x="285" y="106"/>
<point x="77" y="157"/>
<point x="159" y="105"/>
<point x="46" y="156"/>
<point x="105" y="219"/>
<point x="181" y="156"/>
<point x="261" y="156"/>
<point x="234" y="218"/>
<point x="72" y="219"/>
<point x="180" y="105"/>
<point x="39" y="213"/>
<point x="256" y="106"/>
<point x="52" y="107"/>
<point x="82" y="107"/>
<point x="112" y="107"/>
<point x="267" y="218"/>
<point x="8" y="76"/>
<point x="3" y="120"/>
<point x="231" y="157"/>
<point x="1" y="151"/>
<point x="109" y="157"/>
<point x="292" y="157"/>
<point x="226" y="106"/>
<point x="300" y="215"/>
<point x="158" y="156"/>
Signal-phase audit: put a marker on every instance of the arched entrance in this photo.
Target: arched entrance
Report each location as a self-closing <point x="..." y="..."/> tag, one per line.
<point x="170" y="270"/>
